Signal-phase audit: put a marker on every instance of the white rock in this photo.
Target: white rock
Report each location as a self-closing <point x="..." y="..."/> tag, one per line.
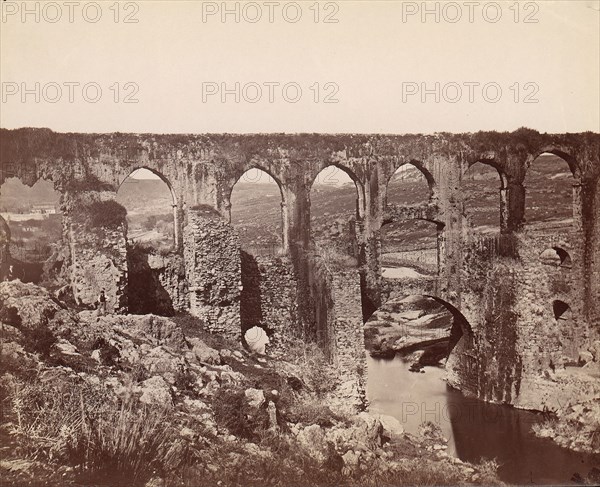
<point x="256" y="397"/>
<point x="155" y="390"/>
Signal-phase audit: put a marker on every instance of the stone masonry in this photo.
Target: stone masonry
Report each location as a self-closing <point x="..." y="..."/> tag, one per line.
<point x="505" y="350"/>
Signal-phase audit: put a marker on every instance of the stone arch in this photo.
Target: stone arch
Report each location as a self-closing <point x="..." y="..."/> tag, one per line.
<point x="485" y="217"/>
<point x="435" y="324"/>
<point x="283" y="237"/>
<point x="559" y="152"/>
<point x="156" y="173"/>
<point x="360" y="190"/>
<point x="564" y="202"/>
<point x="556" y="256"/>
<point x="31" y="231"/>
<point x="334" y="226"/>
<point x="422" y="169"/>
<point x="175" y="214"/>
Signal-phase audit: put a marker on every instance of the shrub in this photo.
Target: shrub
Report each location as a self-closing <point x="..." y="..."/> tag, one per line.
<point x="233" y="412"/>
<point x="312" y="412"/>
<point x="100" y="214"/>
<point x="315" y="370"/>
<point x="84" y="426"/>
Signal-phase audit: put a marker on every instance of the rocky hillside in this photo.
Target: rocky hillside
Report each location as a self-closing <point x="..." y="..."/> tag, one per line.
<point x="146" y="400"/>
<point x="415" y="327"/>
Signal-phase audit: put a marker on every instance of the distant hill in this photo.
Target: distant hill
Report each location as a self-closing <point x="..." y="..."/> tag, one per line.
<point x="146" y="196"/>
<point x="15" y="196"/>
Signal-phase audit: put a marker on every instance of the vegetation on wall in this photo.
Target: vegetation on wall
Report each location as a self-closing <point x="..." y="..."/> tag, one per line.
<point x="109" y="215"/>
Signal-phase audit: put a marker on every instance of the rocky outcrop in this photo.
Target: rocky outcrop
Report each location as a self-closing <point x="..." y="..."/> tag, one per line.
<point x="130" y="378"/>
<point x="411" y="325"/>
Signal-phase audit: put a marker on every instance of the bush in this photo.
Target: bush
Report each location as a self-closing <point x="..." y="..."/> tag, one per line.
<point x="312" y="412"/>
<point x="100" y="214"/>
<point x="233" y="412"/>
<point x="315" y="370"/>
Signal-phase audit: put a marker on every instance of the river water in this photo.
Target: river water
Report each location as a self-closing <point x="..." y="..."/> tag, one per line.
<point x="474" y="429"/>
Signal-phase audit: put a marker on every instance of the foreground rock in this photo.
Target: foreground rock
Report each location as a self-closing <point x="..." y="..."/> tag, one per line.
<point x="197" y="415"/>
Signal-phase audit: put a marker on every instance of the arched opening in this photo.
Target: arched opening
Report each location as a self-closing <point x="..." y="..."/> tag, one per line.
<point x="257" y="213"/>
<point x="409" y="249"/>
<point x="556" y="256"/>
<point x="149" y="201"/>
<point x="32" y="233"/>
<point x="549" y="194"/>
<point x="561" y="310"/>
<point x="409" y="186"/>
<point x="410" y="334"/>
<point x="151" y="240"/>
<point x="336" y="204"/>
<point x="481" y="188"/>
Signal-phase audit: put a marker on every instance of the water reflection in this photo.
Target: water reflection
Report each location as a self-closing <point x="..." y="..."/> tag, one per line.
<point x="475" y="429"/>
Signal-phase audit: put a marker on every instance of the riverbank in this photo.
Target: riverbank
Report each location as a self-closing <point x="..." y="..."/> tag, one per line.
<point x="475" y="430"/>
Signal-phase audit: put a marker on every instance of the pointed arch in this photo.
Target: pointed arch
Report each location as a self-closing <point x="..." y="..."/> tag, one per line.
<point x="269" y="224"/>
<point x="484" y="203"/>
<point x="152" y="214"/>
<point x="161" y="176"/>
<point x="415" y="179"/>
<point x="549" y="198"/>
<point x="332" y="179"/>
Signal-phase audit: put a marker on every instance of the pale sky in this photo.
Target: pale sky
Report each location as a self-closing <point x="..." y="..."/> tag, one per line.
<point x="371" y="61"/>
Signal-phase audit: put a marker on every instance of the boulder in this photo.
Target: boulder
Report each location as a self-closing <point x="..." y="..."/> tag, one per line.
<point x="585" y="357"/>
<point x="204" y="353"/>
<point x="162" y="361"/>
<point x="351" y="459"/>
<point x="256" y="397"/>
<point x="312" y="440"/>
<point x="391" y="426"/>
<point x="155" y="390"/>
<point x="65" y="347"/>
<point x="158" y="330"/>
<point x="30" y="307"/>
<point x="368" y="431"/>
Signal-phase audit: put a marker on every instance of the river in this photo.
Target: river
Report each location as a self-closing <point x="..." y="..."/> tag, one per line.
<point x="474" y="429"/>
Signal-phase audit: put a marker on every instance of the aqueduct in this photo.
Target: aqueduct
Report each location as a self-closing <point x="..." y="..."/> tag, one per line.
<point x="497" y="282"/>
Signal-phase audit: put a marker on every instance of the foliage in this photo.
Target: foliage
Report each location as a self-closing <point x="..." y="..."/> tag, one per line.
<point x="86" y="427"/>
<point x="314" y="368"/>
<point x="233" y="412"/>
<point x="332" y="259"/>
<point x="100" y="214"/>
<point x="87" y="183"/>
<point x="311" y="411"/>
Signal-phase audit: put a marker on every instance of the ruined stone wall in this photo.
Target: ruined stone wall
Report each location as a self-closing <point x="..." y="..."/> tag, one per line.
<point x="213" y="271"/>
<point x="202" y="169"/>
<point x="171" y="275"/>
<point x="507" y="297"/>
<point x="269" y="299"/>
<point x="349" y="356"/>
<point x="97" y="238"/>
<point x="4" y="249"/>
<point x="156" y="283"/>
